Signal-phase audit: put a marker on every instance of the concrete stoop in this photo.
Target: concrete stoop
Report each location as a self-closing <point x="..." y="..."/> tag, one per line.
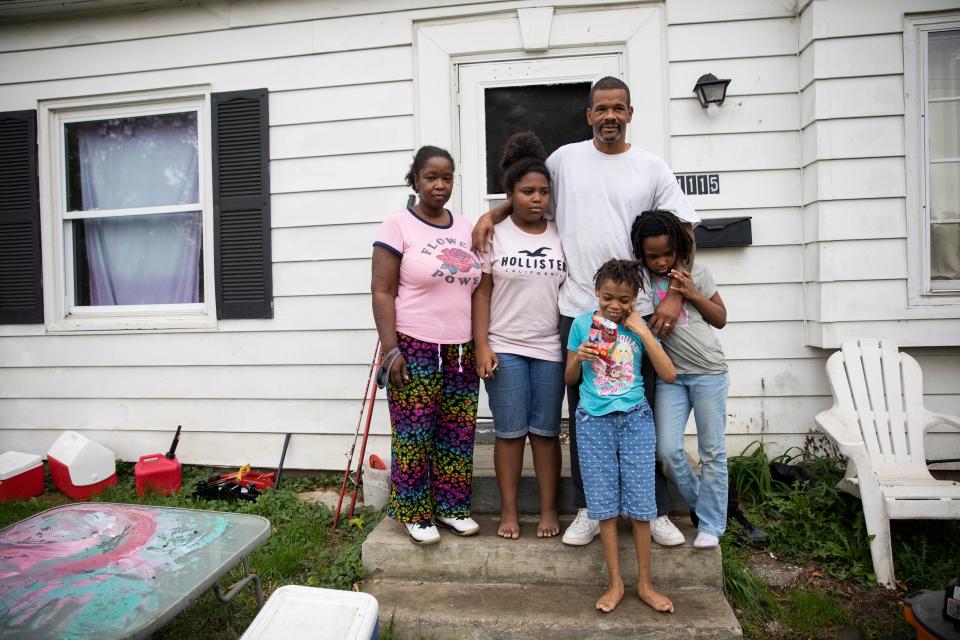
<point x="465" y="611"/>
<point x="486" y="587"/>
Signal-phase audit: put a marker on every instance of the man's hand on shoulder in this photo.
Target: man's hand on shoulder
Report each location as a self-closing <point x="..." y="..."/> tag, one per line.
<point x="482" y="235"/>
<point x="665" y="316"/>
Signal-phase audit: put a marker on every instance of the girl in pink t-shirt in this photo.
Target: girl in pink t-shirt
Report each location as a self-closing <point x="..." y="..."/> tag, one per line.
<point x="424" y="274"/>
<point x="515" y="326"/>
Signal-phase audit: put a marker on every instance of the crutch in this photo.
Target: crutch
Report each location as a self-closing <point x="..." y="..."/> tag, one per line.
<point x="356" y="434"/>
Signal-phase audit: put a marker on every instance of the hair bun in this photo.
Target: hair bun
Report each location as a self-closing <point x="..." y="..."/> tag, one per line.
<point x="520" y="146"/>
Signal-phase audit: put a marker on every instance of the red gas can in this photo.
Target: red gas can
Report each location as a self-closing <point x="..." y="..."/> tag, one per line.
<point x="156" y="473"/>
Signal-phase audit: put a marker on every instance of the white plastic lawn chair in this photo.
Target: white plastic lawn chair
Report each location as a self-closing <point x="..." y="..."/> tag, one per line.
<point x="878" y="421"/>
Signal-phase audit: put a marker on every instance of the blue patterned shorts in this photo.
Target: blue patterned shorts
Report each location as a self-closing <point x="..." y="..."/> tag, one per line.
<point x="617" y="453"/>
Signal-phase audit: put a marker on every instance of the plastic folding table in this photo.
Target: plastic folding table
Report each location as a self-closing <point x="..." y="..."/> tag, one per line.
<point x="105" y="571"/>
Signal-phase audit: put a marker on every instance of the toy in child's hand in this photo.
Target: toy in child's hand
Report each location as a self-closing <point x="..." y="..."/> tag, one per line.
<point x="603" y="334"/>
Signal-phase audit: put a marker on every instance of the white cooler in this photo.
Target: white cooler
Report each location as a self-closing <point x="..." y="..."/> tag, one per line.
<point x="308" y="613"/>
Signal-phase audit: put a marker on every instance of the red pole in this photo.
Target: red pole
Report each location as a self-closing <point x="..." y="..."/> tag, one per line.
<point x="346" y="473"/>
<point x="363" y="451"/>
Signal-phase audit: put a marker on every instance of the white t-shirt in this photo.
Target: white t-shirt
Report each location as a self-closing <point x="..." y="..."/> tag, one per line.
<point x="527" y="271"/>
<point x="597" y="198"/>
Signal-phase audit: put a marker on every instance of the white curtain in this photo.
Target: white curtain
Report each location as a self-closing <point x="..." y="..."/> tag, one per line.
<point x="141" y="162"/>
<point x="943" y="75"/>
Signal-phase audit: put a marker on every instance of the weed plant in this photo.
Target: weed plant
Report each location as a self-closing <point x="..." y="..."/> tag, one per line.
<point x="817" y="525"/>
<point x="302" y="548"/>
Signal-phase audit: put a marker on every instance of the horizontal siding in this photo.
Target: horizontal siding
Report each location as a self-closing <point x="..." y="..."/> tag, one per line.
<point x="853" y="138"/>
<point x="744" y="114"/>
<point x="339" y="172"/>
<point x="286" y="74"/>
<point x="224" y="348"/>
<point x="748" y="378"/>
<point x="851" y="98"/>
<point x="851" y="260"/>
<point x="741" y="39"/>
<point x="854" y="179"/>
<point x="748" y="76"/>
<point x="735" y="152"/>
<point x="855" y="219"/>
<point x="259" y="449"/>
<point x="331" y="104"/>
<point x="337" y="206"/>
<point x="693" y="11"/>
<point x="752" y="189"/>
<point x="831" y="19"/>
<point x="321" y="139"/>
<point x="852" y="58"/>
<point x="331" y="242"/>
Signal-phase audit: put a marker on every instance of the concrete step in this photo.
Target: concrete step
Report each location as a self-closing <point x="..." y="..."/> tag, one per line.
<point x="388" y="553"/>
<point x="460" y="611"/>
<point x="486" y="496"/>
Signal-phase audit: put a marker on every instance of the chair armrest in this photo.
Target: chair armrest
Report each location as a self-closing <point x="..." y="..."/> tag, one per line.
<point x="933" y="419"/>
<point x="837" y="430"/>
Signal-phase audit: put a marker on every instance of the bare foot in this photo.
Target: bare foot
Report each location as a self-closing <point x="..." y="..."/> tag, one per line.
<point x="656" y="601"/>
<point x="611" y="598"/>
<point x="509" y="527"/>
<point x="549" y="525"/>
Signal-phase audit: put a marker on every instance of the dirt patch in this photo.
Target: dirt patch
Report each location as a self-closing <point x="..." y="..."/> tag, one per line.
<point x="868" y="613"/>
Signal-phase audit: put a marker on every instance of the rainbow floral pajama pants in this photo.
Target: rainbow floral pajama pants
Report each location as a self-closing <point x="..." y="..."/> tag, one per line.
<point x="433" y="418"/>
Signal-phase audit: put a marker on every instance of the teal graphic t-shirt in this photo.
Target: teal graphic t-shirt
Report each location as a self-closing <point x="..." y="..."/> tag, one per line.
<point x="613" y="383"/>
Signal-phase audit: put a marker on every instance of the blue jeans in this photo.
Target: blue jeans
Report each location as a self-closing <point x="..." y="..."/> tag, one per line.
<point x="525" y="396"/>
<point x="707" y="395"/>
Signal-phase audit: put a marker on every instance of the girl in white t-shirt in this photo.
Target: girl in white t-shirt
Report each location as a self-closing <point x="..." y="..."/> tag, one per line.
<point x="515" y="318"/>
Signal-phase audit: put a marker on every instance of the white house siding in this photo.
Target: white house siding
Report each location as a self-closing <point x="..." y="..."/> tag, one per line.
<point x="857" y="217"/>
<point x="790" y="145"/>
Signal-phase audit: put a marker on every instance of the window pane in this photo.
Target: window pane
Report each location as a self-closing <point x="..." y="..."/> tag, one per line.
<point x="945" y="251"/>
<point x="556" y="113"/>
<point x="146" y="259"/>
<point x="945" y="191"/>
<point x="146" y="161"/>
<point x="943" y="63"/>
<point x="944" y="130"/>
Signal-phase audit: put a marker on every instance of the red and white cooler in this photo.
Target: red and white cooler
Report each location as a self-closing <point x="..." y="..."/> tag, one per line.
<point x="21" y="476"/>
<point x="80" y="467"/>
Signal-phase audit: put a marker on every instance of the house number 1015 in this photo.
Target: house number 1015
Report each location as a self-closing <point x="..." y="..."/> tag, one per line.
<point x="699" y="184"/>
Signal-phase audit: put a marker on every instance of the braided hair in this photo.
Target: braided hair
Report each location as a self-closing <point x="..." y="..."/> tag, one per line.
<point x="523" y="154"/>
<point x="617" y="271"/>
<point x="661" y="223"/>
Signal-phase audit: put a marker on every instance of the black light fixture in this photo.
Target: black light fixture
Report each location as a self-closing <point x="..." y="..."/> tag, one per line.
<point x="711" y="90"/>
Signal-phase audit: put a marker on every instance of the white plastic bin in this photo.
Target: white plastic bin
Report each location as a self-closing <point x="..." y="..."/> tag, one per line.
<point x="308" y="613"/>
<point x="376" y="487"/>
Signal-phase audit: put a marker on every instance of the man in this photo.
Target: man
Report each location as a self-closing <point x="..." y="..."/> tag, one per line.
<point x="600" y="186"/>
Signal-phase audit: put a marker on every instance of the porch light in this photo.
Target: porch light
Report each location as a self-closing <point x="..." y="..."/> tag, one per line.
<point x="711" y="91"/>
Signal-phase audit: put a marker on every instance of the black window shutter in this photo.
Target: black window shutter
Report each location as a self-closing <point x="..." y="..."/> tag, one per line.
<point x="21" y="293"/>
<point x="241" y="203"/>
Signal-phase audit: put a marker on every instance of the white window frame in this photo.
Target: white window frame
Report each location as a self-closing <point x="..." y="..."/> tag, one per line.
<point x="59" y="311"/>
<point x="916" y="28"/>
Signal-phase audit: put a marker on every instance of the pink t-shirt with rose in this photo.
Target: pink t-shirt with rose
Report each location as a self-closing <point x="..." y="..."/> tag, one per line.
<point x="438" y="273"/>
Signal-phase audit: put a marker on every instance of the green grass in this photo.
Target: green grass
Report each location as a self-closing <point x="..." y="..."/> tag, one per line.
<point x="821" y="527"/>
<point x="302" y="548"/>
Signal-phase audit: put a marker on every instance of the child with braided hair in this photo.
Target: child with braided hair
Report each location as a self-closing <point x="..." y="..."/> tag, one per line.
<point x="616" y="434"/>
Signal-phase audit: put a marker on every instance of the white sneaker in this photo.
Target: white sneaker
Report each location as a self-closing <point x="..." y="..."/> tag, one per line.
<point x="666" y="533"/>
<point x="706" y="541"/>
<point x="423" y="532"/>
<point x="582" y="530"/>
<point x="460" y="526"/>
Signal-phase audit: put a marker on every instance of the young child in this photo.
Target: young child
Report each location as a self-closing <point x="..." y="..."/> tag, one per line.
<point x="515" y="329"/>
<point x="615" y="427"/>
<point x="660" y="240"/>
